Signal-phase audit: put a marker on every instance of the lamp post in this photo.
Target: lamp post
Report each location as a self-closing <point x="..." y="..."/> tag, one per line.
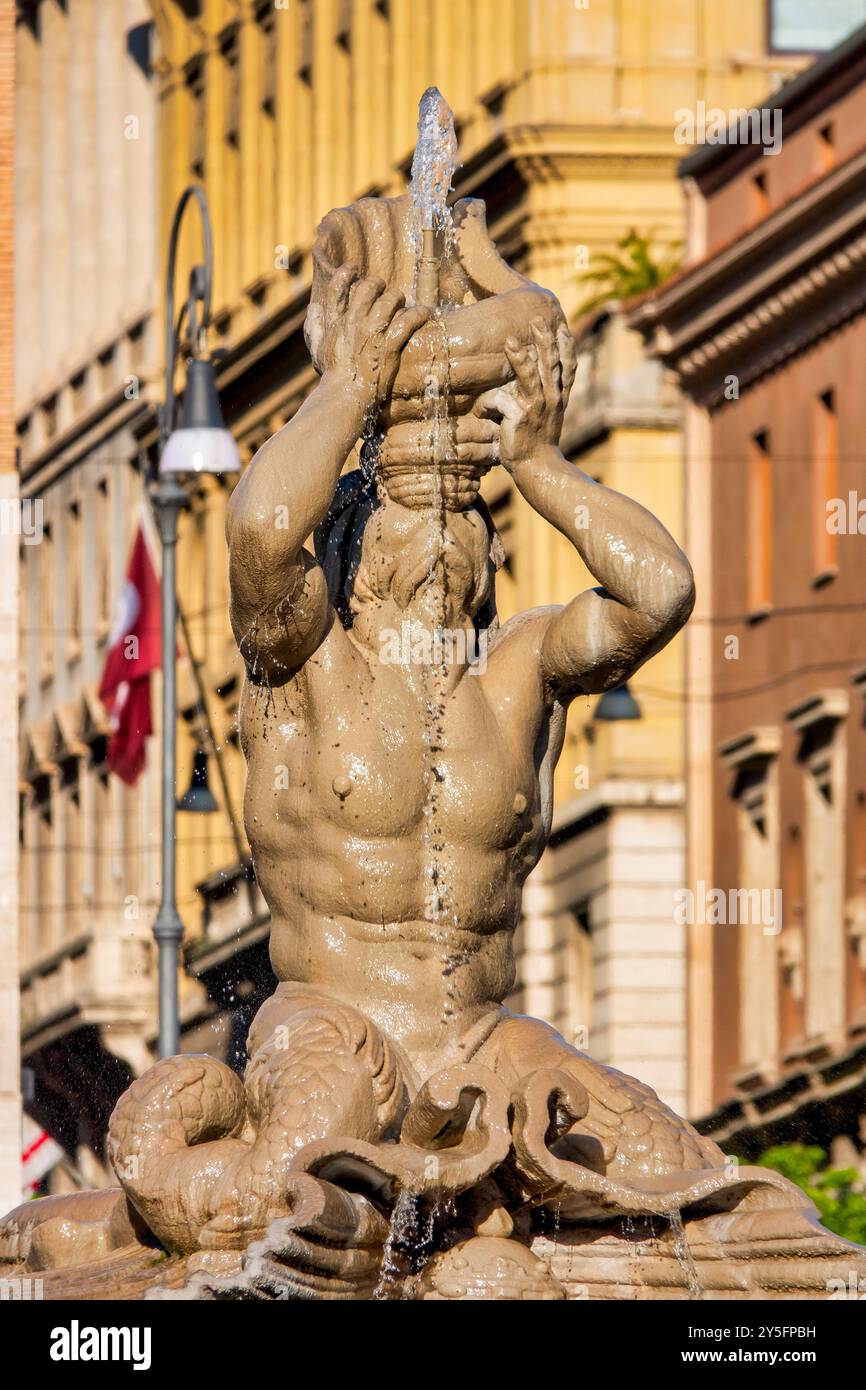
<point x="201" y="444"/>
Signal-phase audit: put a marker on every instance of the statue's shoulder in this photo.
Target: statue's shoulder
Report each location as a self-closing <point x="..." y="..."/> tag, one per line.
<point x="513" y="659"/>
<point x="524" y="631"/>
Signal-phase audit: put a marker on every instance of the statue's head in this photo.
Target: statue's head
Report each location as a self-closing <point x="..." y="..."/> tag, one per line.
<point x="379" y="557"/>
<point x="411" y="561"/>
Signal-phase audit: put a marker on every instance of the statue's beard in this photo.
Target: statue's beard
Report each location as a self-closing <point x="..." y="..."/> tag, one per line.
<point x="423" y="560"/>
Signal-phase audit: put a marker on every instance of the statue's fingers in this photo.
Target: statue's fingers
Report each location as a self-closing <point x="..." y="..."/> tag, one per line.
<point x="485" y="407"/>
<point x="477" y="452"/>
<point x="384" y="309"/>
<point x="524" y="364"/>
<point x="500" y="403"/>
<point x="474" y="429"/>
<point x="362" y="295"/>
<point x="404" y="324"/>
<point x="338" y="291"/>
<point x="548" y="362"/>
<point x="568" y="357"/>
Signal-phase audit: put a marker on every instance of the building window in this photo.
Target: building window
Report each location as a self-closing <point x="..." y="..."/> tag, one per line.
<point x="760" y="198"/>
<point x="791" y="949"/>
<point x="102" y="546"/>
<point x="197" y="131"/>
<point x="825" y="149"/>
<point x="855" y="916"/>
<point x="820" y="723"/>
<point x="759" y="538"/>
<point x="579" y="973"/>
<point x="45" y="576"/>
<point x="25" y="876"/>
<point x="49" y="416"/>
<point x="107" y="368"/>
<point x="231" y="57"/>
<point x="305" y="41"/>
<point x="72" y="583"/>
<point x="267" y="26"/>
<point x="753" y="758"/>
<point x="139" y="46"/>
<point x="71" y="909"/>
<point x="106" y="833"/>
<point x="44" y="904"/>
<point x="802" y="26"/>
<point x="825" y="482"/>
<point x="343" y="33"/>
<point x="78" y="392"/>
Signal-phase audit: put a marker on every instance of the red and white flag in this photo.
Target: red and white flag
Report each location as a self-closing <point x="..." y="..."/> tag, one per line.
<point x="39" y="1154"/>
<point x="134" y="650"/>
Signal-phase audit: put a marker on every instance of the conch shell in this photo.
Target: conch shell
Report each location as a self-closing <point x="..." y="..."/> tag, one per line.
<point x="460" y="352"/>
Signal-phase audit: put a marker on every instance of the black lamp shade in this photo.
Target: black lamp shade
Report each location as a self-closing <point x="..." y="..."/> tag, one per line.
<point x="201" y="407"/>
<point x="201" y="443"/>
<point x="618" y="703"/>
<point x="198" y="797"/>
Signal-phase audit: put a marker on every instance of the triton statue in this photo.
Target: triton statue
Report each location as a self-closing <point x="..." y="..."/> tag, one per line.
<point x="398" y="1130"/>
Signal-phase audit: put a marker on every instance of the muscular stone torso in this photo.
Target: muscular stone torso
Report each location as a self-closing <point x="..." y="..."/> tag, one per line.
<point x="392" y="844"/>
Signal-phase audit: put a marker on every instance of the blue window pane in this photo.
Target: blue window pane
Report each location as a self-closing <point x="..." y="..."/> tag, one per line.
<point x="807" y="26"/>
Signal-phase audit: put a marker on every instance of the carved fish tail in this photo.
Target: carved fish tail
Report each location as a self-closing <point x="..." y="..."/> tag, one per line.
<point x="171" y="1136"/>
<point x="323" y="1070"/>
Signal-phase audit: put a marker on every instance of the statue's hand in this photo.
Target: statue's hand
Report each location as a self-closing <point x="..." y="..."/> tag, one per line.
<point x="531" y="407"/>
<point x="369" y="327"/>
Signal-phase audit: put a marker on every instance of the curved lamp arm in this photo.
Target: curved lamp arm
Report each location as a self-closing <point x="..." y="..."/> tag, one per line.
<point x="200" y="284"/>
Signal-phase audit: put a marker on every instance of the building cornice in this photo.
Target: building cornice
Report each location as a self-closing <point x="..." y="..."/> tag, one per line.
<point x="820" y="83"/>
<point x="758" y="302"/>
<point x="755" y="746"/>
<point x="619" y="793"/>
<point x="775" y="1113"/>
<point x="65" y="450"/>
<point x="827" y="705"/>
<point x="555" y="154"/>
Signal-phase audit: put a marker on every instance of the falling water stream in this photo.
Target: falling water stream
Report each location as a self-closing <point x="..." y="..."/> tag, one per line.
<point x="432" y="173"/>
<point x="433" y="165"/>
<point x="683" y="1254"/>
<point x="408" y="1245"/>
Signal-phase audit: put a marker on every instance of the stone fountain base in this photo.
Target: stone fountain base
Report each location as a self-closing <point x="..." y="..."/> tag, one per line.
<point x="483" y="1197"/>
<point x="740" y="1255"/>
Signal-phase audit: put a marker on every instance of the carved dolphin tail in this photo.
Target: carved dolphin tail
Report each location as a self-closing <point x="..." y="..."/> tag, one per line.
<point x="172" y="1137"/>
<point x="206" y="1158"/>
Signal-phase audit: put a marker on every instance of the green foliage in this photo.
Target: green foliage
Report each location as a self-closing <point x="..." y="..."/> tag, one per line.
<point x="632" y="272"/>
<point x="837" y="1192"/>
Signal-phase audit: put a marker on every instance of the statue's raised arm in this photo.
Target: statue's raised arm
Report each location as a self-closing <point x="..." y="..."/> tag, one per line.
<point x="646" y="589"/>
<point x="279" y="601"/>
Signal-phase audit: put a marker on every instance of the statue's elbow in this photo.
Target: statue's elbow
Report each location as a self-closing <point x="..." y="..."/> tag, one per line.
<point x="681" y="595"/>
<point x="675" y="599"/>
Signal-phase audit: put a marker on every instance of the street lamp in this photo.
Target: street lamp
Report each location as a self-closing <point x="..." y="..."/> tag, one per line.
<point x="616" y="704"/>
<point x="199" y="444"/>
